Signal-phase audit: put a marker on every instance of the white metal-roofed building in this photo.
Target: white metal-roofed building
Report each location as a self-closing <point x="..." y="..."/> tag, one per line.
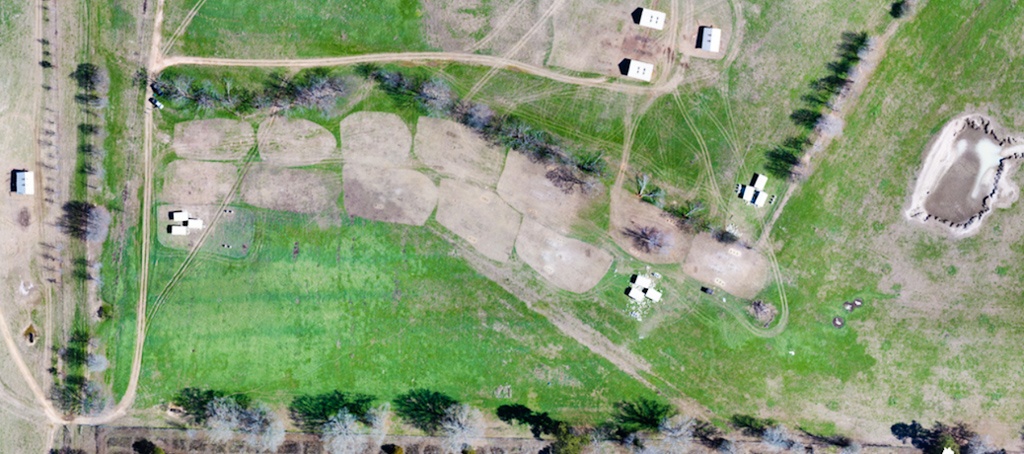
<point x="640" y="70"/>
<point x="636" y="294"/>
<point x="710" y="39"/>
<point x="24" y="182"/>
<point x="177" y="230"/>
<point x="760" y="199"/>
<point x="194" y="223"/>
<point x="758" y="181"/>
<point x="652" y="19"/>
<point x="179" y="216"/>
<point x="653" y="294"/>
<point x="642" y="281"/>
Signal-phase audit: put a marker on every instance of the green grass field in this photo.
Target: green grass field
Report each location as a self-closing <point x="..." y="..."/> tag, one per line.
<point x="294" y="29"/>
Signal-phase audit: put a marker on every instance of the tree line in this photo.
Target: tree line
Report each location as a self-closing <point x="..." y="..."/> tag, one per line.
<point x="782" y="158"/>
<point x="316" y="89"/>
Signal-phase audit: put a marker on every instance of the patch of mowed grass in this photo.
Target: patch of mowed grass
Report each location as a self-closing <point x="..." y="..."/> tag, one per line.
<point x="937" y="67"/>
<point x="366" y="307"/>
<point x="290" y="29"/>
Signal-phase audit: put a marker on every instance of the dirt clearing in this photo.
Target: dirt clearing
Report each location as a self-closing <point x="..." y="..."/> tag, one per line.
<point x="231" y="237"/>
<point x="523" y="185"/>
<point x="731" y="267"/>
<point x="401" y="196"/>
<point x="596" y="36"/>
<point x="375" y="138"/>
<point x="456" y="151"/>
<point x="295" y="142"/>
<point x="965" y="174"/>
<point x="197" y="183"/>
<point x="480" y="217"/>
<point x="629" y="212"/>
<point x="567" y="263"/>
<point x="294" y="190"/>
<point x="218" y="139"/>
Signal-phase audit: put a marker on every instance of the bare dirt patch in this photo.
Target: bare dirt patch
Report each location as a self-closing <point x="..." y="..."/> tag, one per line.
<point x="705" y="13"/>
<point x="567" y="263"/>
<point x="596" y="36"/>
<point x="197" y="183"/>
<point x="965" y="174"/>
<point x="375" y="138"/>
<point x="294" y="142"/>
<point x="232" y="235"/>
<point x="734" y="268"/>
<point x="217" y="139"/>
<point x="525" y="186"/>
<point x="456" y="151"/>
<point x="293" y="190"/>
<point x="401" y="196"/>
<point x="628" y="211"/>
<point x="480" y="217"/>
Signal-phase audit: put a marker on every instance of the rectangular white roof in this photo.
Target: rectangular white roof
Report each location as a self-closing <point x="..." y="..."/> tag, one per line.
<point x="760" y="199"/>
<point x="711" y="39"/>
<point x="194" y="223"/>
<point x="180" y="215"/>
<point x="642" y="281"/>
<point x="652" y="19"/>
<point x="24" y="182"/>
<point x="640" y="70"/>
<point x="636" y="294"/>
<point x="747" y="193"/>
<point x="178" y="230"/>
<point x="654" y="295"/>
<point x="759" y="181"/>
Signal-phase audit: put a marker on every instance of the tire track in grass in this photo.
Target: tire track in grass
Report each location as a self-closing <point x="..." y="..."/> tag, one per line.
<point x="499" y="27"/>
<point x="178" y="32"/>
<point x="704" y="154"/>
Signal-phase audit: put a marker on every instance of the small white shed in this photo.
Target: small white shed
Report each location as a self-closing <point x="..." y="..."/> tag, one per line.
<point x="653" y="294"/>
<point x="640" y="70"/>
<point x="24" y="182"/>
<point x="177" y="230"/>
<point x="179" y="215"/>
<point x="760" y="199"/>
<point x="652" y="19"/>
<point x="636" y="294"/>
<point x="642" y="281"/>
<point x="747" y="193"/>
<point x="710" y="39"/>
<point x="758" y="181"/>
<point x="194" y="223"/>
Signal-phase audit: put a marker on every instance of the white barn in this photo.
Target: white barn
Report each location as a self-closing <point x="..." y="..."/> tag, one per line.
<point x="179" y="215"/>
<point x="653" y="294"/>
<point x="24" y="182"/>
<point x="177" y="230"/>
<point x="194" y="223"/>
<point x="652" y="19"/>
<point x="758" y="181"/>
<point x="710" y="39"/>
<point x="640" y="70"/>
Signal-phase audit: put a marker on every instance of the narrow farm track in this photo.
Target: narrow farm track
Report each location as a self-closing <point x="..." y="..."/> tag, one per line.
<point x="498" y="27"/>
<point x="182" y="27"/>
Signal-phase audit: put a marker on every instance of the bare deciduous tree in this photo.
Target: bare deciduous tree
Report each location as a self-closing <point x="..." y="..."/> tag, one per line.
<point x="462" y="427"/>
<point x="222" y="419"/>
<point x="380" y="422"/>
<point x="342" y="435"/>
<point x="647" y="239"/>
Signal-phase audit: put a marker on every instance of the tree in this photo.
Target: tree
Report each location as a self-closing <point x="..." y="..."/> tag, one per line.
<point x="642" y="414"/>
<point x="341" y="435"/>
<point x="436" y="98"/>
<point x="777" y="437"/>
<point x="648" y="192"/>
<point x="223" y="419"/>
<point x="423" y="408"/>
<point x="647" y="239"/>
<point x="311" y="412"/>
<point x="898" y="9"/>
<point x="144" y="446"/>
<point x="540" y="422"/>
<point x="944" y="442"/>
<point x="569" y="441"/>
<point x="676" y="436"/>
<point x="76" y="218"/>
<point x="462" y="426"/>
<point x="752" y="425"/>
<point x="379" y="419"/>
<point x="88" y="76"/>
<point x="725" y="237"/>
<point x="195" y="402"/>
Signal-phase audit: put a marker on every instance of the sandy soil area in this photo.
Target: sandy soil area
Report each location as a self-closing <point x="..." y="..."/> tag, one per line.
<point x="731" y="267"/>
<point x="295" y="142"/>
<point x="401" y="196"/>
<point x="456" y="151"/>
<point x="293" y="190"/>
<point x="523" y="185"/>
<point x="965" y="175"/>
<point x="232" y="235"/>
<point x="595" y="36"/>
<point x="567" y="263"/>
<point x="375" y="138"/>
<point x="218" y="139"/>
<point x="197" y="183"/>
<point x="480" y="217"/>
<point x="700" y="13"/>
<point x="628" y="211"/>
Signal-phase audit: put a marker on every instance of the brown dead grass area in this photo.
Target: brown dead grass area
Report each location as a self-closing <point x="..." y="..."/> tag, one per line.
<point x="375" y="138"/>
<point x="523" y="185"/>
<point x="567" y="263"/>
<point x="450" y="24"/>
<point x="456" y="151"/>
<point x="509" y="28"/>
<point x="700" y="13"/>
<point x="595" y="36"/>
<point x="197" y="183"/>
<point x="294" y="190"/>
<point x="401" y="196"/>
<point x="294" y="142"/>
<point x="218" y="139"/>
<point x="737" y="270"/>
<point x="480" y="217"/>
<point x="627" y="211"/>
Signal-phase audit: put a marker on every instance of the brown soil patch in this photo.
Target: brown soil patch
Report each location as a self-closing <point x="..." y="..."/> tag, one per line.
<point x="456" y="151"/>
<point x="217" y="139"/>
<point x="567" y="263"/>
<point x="732" y="267"/>
<point x="294" y="190"/>
<point x="628" y="211"/>
<point x="294" y="142"/>
<point x="480" y="217"/>
<point x="596" y="36"/>
<point x="952" y="199"/>
<point x="523" y="185"/>
<point x="375" y="138"/>
<point x="401" y="196"/>
<point x="197" y="183"/>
